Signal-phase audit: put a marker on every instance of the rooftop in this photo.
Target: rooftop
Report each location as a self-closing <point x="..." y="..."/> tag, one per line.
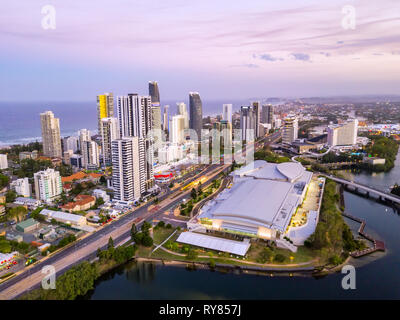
<point x="214" y="243"/>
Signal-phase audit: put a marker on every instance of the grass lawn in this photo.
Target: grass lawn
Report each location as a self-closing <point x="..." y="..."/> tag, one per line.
<point x="303" y="254"/>
<point x="161" y="233"/>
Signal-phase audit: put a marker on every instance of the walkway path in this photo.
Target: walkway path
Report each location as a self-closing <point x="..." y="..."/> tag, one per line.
<point x="246" y="262"/>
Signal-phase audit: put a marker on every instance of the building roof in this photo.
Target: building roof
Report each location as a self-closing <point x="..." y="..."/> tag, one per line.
<point x="62" y="215"/>
<point x="27" y="223"/>
<point x="80" y="175"/>
<point x="263" y="195"/>
<point x="80" y="200"/>
<point x="254" y="202"/>
<point x="214" y="243"/>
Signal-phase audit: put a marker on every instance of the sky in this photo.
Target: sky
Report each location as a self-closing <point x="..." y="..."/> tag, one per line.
<point x="224" y="49"/>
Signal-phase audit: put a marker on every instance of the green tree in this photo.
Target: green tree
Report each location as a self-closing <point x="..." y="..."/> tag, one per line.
<point x="147" y="241"/>
<point x="10" y="196"/>
<point x="193" y="193"/>
<point x="3" y="181"/>
<point x="110" y="243"/>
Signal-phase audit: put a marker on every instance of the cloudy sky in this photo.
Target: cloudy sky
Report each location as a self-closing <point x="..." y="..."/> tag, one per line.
<point x="222" y="48"/>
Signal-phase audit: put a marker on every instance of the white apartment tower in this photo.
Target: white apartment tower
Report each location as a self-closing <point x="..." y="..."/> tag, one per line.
<point x="128" y="178"/>
<point x="135" y="120"/>
<point x="47" y="184"/>
<point x="343" y="134"/>
<point x="290" y="129"/>
<point x="51" y="135"/>
<point x="177" y="129"/>
<point x="109" y="131"/>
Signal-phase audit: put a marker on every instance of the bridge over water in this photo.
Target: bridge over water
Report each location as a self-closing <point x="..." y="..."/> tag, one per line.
<point x="358" y="186"/>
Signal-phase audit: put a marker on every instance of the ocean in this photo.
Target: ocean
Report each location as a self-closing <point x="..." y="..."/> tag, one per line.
<point x="20" y="121"/>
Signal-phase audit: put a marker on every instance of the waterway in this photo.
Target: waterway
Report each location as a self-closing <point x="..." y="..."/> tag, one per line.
<point x="377" y="275"/>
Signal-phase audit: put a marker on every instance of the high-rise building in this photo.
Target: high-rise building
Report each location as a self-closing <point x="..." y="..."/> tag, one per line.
<point x="3" y="161"/>
<point x="89" y="150"/>
<point x="105" y="108"/>
<point x="128" y="178"/>
<point x="47" y="184"/>
<point x="343" y="134"/>
<point x="196" y="113"/>
<point x="256" y="105"/>
<point x="290" y="129"/>
<point x="226" y="134"/>
<point x="71" y="143"/>
<point x="248" y="123"/>
<point x="227" y="112"/>
<point x="51" y="135"/>
<point x="90" y="154"/>
<point x="267" y="114"/>
<point x="154" y="94"/>
<point x="22" y="187"/>
<point x="109" y="131"/>
<point x="177" y="129"/>
<point x="166" y="118"/>
<point x="182" y="110"/>
<point x="135" y="120"/>
<point x="84" y="135"/>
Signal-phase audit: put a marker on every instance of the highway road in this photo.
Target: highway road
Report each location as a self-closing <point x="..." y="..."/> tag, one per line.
<point x="86" y="248"/>
<point x="119" y="230"/>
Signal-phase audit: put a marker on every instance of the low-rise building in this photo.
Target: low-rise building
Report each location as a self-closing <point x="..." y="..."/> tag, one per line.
<point x="10" y="236"/>
<point x="375" y="160"/>
<point x="27" y="202"/>
<point x="63" y="217"/>
<point x="27" y="225"/>
<point x="98" y="193"/>
<point x="2" y="210"/>
<point x="81" y="202"/>
<point x="263" y="198"/>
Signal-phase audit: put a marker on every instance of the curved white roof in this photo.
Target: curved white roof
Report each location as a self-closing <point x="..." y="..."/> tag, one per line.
<point x="291" y="170"/>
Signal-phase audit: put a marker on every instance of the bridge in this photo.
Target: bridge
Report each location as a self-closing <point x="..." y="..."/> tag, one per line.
<point x="358" y="186"/>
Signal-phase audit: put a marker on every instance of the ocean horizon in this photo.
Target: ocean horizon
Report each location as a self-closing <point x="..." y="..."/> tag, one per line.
<point x="20" y="121"/>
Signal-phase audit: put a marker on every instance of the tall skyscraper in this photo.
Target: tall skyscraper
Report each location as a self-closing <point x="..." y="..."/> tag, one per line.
<point x="154" y="93"/>
<point x="267" y="114"/>
<point x="182" y="110"/>
<point x="105" y="107"/>
<point x="343" y="134"/>
<point x="51" y="135"/>
<point x="128" y="178"/>
<point x="290" y="129"/>
<point x="256" y="105"/>
<point x="135" y="120"/>
<point x="47" y="184"/>
<point x="196" y="113"/>
<point x="226" y="134"/>
<point x="109" y="131"/>
<point x="248" y="123"/>
<point x="166" y="118"/>
<point x="227" y="112"/>
<point x="177" y="129"/>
